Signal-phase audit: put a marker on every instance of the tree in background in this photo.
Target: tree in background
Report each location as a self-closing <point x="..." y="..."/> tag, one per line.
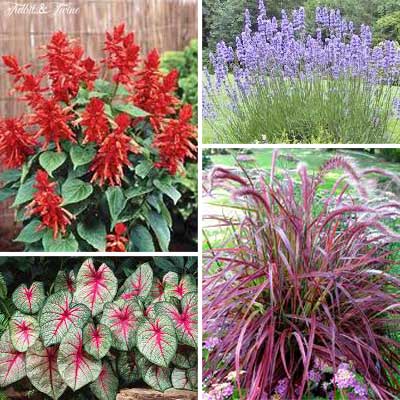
<point x="223" y="19"/>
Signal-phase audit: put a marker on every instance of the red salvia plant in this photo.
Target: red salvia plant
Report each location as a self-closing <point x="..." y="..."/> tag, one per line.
<point x="111" y="148"/>
<point x="304" y="280"/>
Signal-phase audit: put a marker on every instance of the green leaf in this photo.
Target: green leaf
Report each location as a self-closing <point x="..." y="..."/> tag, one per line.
<point x="3" y="286"/>
<point x="103" y="86"/>
<point x="167" y="189"/>
<point x="141" y="239"/>
<point x="82" y="97"/>
<point x="64" y="244"/>
<point x="116" y="202"/>
<point x="94" y="233"/>
<point x="51" y="160"/>
<point x="25" y="192"/>
<point x="75" y="190"/>
<point x="136" y="192"/>
<point x="30" y="233"/>
<point x="82" y="155"/>
<point x="10" y="175"/>
<point x="121" y="91"/>
<point x="6" y="193"/>
<point x="130" y="109"/>
<point x="160" y="227"/>
<point x="99" y="95"/>
<point x="143" y="168"/>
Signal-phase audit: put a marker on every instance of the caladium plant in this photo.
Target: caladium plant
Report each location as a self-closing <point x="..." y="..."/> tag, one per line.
<point x="85" y="333"/>
<point x="94" y="161"/>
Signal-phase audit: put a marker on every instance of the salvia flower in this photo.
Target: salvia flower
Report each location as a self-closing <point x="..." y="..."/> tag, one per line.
<point x="117" y="241"/>
<point x="211" y="343"/>
<point x="154" y="91"/>
<point x="122" y="53"/>
<point x="175" y="142"/>
<point x="95" y="122"/>
<point x="112" y="156"/>
<point x="66" y="66"/>
<point x="53" y="121"/>
<point x="46" y="204"/>
<point x="15" y="143"/>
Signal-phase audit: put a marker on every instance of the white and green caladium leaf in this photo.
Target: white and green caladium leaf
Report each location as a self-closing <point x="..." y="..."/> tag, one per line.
<point x="158" y="378"/>
<point x="95" y="287"/>
<point x="76" y="367"/>
<point x="156" y="340"/>
<point x="65" y="281"/>
<point x="185" y="321"/>
<point x="185" y="357"/>
<point x="42" y="370"/>
<point x="191" y="373"/>
<point x="172" y="288"/>
<point x="138" y="284"/>
<point x="105" y="387"/>
<point x="29" y="300"/>
<point x="24" y="331"/>
<point x="180" y="380"/>
<point x="97" y="340"/>
<point x="127" y="367"/>
<point x="12" y="362"/>
<point x="122" y="318"/>
<point x="59" y="314"/>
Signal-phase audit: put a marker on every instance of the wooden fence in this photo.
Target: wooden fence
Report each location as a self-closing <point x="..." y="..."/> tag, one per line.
<point x="164" y="24"/>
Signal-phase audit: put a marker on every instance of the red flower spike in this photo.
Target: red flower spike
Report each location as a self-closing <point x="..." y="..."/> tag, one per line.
<point x="112" y="156"/>
<point x="53" y="123"/>
<point x="95" y="121"/>
<point x="174" y="143"/>
<point x="15" y="143"/>
<point x="154" y="92"/>
<point x="122" y="53"/>
<point x="47" y="205"/>
<point x="24" y="82"/>
<point x="117" y="242"/>
<point x="67" y="68"/>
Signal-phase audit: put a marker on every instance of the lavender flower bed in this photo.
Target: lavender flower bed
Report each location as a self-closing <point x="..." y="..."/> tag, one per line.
<point x="281" y="84"/>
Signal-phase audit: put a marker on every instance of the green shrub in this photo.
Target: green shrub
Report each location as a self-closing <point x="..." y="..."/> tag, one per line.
<point x="186" y="63"/>
<point x="388" y="28"/>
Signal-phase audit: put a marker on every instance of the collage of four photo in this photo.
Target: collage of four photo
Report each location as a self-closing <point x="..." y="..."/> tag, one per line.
<point x="199" y="199"/>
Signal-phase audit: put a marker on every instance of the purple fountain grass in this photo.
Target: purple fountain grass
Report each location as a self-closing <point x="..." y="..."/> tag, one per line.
<point x="305" y="279"/>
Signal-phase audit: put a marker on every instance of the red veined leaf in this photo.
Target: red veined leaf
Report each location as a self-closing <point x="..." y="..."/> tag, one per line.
<point x="42" y="370"/>
<point x="156" y="340"/>
<point x="139" y="283"/>
<point x="170" y="279"/>
<point x="24" y="330"/>
<point x="97" y="340"/>
<point x="58" y="315"/>
<point x="127" y="367"/>
<point x="76" y="367"/>
<point x="185" y="357"/>
<point x="65" y="281"/>
<point x="121" y="317"/>
<point x="185" y="321"/>
<point x="29" y="300"/>
<point x="95" y="287"/>
<point x="186" y="285"/>
<point x="158" y="378"/>
<point x="12" y="362"/>
<point x="180" y="380"/>
<point x="105" y="387"/>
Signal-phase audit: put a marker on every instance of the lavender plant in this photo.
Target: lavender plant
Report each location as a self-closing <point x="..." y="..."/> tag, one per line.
<point x="281" y="84"/>
<point x="301" y="300"/>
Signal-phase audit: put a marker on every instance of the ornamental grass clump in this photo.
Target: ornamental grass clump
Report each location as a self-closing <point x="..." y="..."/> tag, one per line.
<point x="302" y="294"/>
<point x="99" y="145"/>
<point x="86" y="333"/>
<point x="282" y="84"/>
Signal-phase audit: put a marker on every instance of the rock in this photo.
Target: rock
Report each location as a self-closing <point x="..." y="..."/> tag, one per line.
<point x="149" y="394"/>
